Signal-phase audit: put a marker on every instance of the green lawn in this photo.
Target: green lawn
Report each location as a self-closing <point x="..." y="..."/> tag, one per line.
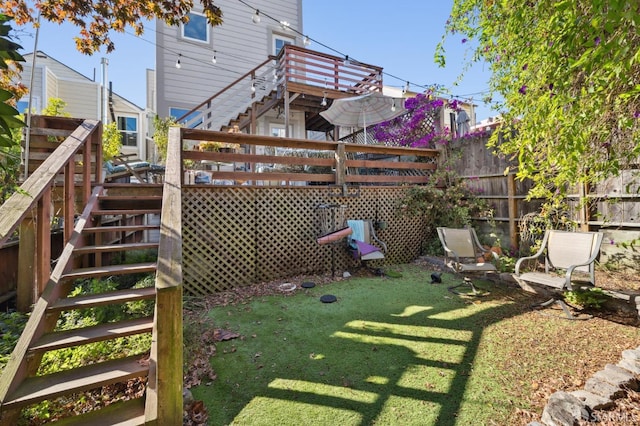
<point x="389" y="351"/>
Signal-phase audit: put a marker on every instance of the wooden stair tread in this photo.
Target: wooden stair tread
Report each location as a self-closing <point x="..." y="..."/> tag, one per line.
<point x="130" y="197"/>
<point x="114" y="247"/>
<point x="117" y="212"/>
<point x="100" y="271"/>
<point x="123" y="413"/>
<point x="82" y="336"/>
<point x="39" y="388"/>
<point x="123" y="228"/>
<point x="111" y="297"/>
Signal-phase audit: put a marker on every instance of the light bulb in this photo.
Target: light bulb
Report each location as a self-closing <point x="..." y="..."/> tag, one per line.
<point x="253" y="87"/>
<point x="393" y="106"/>
<point x="256" y="17"/>
<point x="178" y="64"/>
<point x="214" y="60"/>
<point x="346" y="60"/>
<point x="284" y="25"/>
<point x="324" y="100"/>
<point x="306" y="41"/>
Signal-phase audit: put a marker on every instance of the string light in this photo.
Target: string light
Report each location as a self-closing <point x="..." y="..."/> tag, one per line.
<point x="406" y="88"/>
<point x="256" y="17"/>
<point x="214" y="60"/>
<point x="393" y="105"/>
<point x="284" y="25"/>
<point x="253" y="86"/>
<point x="324" y="100"/>
<point x="306" y="41"/>
<point x="346" y="60"/>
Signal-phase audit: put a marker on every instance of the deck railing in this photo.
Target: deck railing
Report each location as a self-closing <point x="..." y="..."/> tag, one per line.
<point x="326" y="162"/>
<point x="75" y="162"/>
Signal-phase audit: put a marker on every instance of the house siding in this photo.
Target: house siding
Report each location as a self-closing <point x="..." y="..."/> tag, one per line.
<point x="82" y="95"/>
<point x="240" y="46"/>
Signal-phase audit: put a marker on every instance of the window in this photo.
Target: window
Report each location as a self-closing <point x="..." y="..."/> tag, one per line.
<point x="128" y="127"/>
<point x="196" y="29"/>
<point x="23" y="104"/>
<point x="277" y="130"/>
<point x="279" y="42"/>
<point x="195" y="116"/>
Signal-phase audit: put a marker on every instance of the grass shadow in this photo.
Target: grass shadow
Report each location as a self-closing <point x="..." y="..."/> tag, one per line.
<point x="390" y="351"/>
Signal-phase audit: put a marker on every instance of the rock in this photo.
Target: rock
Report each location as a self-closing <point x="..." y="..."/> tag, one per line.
<point x="620" y="376"/>
<point x="187" y="397"/>
<point x="346" y="274"/>
<point x="564" y="409"/>
<point x="631" y="354"/>
<point x="603" y="388"/>
<point x="593" y="401"/>
<point x="535" y="424"/>
<point x="632" y="366"/>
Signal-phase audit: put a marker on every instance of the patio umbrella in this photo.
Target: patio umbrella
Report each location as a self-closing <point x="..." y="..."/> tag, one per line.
<point x="360" y="111"/>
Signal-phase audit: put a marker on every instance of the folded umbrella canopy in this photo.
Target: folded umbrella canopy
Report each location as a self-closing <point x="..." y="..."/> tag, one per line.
<point x="360" y="111"/>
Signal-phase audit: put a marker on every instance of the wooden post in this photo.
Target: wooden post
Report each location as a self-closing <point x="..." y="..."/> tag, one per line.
<point x="341" y="164"/>
<point x="43" y="242"/>
<point x="164" y="396"/>
<point x="86" y="172"/>
<point x="583" y="204"/>
<point x="513" y="210"/>
<point x="69" y="200"/>
<point x="26" y="261"/>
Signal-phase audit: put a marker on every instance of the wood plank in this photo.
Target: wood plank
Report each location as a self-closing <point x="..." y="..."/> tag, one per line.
<point x="17" y="206"/>
<point x="124" y="413"/>
<point x="40" y="388"/>
<point x="107" y="248"/>
<point x="123" y="228"/>
<point x="165" y="380"/>
<point x="108" y="298"/>
<point x="131" y="212"/>
<point x="102" y="271"/>
<point x="97" y="333"/>
<point x="244" y="139"/>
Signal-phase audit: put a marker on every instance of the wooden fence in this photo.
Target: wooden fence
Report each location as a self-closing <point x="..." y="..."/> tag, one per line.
<point x="614" y="206"/>
<point x="268" y="230"/>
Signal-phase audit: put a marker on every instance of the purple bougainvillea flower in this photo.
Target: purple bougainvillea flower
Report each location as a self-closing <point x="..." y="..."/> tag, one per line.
<point x="523" y="89"/>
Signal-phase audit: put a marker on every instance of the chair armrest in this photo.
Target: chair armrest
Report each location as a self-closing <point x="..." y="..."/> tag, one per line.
<point x="524" y="259"/>
<point x="571" y="268"/>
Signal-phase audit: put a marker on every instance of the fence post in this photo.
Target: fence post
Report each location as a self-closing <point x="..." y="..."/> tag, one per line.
<point x="26" y="262"/>
<point x="584" y="206"/>
<point x="341" y="162"/>
<point x="513" y="210"/>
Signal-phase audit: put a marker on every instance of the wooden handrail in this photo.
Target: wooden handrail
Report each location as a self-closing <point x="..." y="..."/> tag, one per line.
<point x="226" y="88"/>
<point x="21" y="202"/>
<point x="164" y="395"/>
<point x="30" y="207"/>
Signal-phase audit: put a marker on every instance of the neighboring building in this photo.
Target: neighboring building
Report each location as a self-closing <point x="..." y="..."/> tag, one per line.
<point x="238" y="45"/>
<point x="196" y="61"/>
<point x="84" y="98"/>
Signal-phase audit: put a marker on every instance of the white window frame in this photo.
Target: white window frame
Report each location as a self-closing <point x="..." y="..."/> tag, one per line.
<point x="277" y="130"/>
<point x="36" y="103"/>
<point x="206" y="28"/>
<point x="279" y="37"/>
<point x="135" y="132"/>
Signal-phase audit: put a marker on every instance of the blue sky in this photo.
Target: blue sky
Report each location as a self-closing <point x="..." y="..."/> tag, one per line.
<point x="399" y="36"/>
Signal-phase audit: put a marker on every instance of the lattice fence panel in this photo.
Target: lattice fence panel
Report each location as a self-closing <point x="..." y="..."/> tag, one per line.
<point x="218" y="235"/>
<point x="238" y="236"/>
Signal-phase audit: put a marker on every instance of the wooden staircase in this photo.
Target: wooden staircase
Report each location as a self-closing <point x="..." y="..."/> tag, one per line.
<point x="115" y="221"/>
